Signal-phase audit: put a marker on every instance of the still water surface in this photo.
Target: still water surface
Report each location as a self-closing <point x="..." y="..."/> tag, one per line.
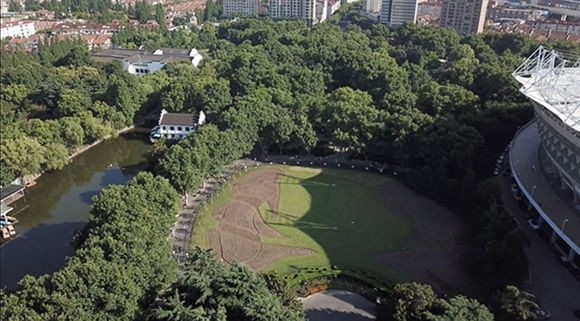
<point x="59" y="204"/>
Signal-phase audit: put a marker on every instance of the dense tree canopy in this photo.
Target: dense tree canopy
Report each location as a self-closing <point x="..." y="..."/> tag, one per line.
<point x="210" y="290"/>
<point x="437" y="105"/>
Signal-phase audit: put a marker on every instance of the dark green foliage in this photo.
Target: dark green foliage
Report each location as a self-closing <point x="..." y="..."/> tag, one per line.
<point x="417" y="302"/>
<point x="209" y="290"/>
<point x="279" y="86"/>
<point x="513" y="304"/>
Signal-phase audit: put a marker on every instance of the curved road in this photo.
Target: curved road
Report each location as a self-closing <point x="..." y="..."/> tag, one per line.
<point x="557" y="291"/>
<point x="338" y="305"/>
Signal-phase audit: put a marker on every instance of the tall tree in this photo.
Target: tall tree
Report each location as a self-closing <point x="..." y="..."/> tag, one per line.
<point x="515" y="305"/>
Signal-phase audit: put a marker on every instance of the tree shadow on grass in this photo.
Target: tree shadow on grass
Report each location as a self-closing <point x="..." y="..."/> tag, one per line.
<point x="299" y="224"/>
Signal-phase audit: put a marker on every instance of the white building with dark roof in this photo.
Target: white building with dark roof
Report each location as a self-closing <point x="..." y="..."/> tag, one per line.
<point x="177" y="125"/>
<point x="141" y="62"/>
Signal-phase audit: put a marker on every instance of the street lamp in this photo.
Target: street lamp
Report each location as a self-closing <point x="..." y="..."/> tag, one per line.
<point x="533" y="190"/>
<point x="563" y="225"/>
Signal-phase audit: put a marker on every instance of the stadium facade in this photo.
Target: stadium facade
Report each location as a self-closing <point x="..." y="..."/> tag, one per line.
<point x="545" y="153"/>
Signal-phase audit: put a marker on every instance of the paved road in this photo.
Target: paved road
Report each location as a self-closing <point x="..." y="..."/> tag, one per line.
<point x="338" y="305"/>
<point x="556" y="289"/>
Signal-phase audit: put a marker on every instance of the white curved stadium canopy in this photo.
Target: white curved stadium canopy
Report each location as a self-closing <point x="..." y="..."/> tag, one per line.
<point x="552" y="79"/>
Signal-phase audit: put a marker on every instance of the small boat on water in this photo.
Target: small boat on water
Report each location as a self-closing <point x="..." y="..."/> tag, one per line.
<point x="5" y="233"/>
<point x="31" y="183"/>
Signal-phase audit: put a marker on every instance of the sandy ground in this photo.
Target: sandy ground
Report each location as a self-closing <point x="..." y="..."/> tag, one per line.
<point x="240" y="227"/>
<point x="438" y="253"/>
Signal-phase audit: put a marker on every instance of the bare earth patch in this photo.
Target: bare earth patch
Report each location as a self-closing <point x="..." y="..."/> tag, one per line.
<point x="238" y="235"/>
<point x="438" y="251"/>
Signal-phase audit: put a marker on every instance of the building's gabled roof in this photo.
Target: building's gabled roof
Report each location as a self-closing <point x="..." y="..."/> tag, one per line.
<point x="9" y="190"/>
<point x="178" y="119"/>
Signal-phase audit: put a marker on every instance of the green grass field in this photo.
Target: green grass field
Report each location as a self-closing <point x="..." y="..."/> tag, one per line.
<point x="316" y="210"/>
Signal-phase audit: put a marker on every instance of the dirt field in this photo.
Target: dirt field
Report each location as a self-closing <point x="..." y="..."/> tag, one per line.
<point x="438" y="252"/>
<point x="287" y="218"/>
<point x="240" y="224"/>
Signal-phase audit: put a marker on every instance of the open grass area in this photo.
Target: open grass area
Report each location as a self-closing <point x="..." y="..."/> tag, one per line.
<point x="337" y="213"/>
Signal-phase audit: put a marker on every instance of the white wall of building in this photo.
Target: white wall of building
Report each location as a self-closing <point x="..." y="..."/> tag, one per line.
<point x="372" y="5"/>
<point x="321" y="10"/>
<point x="17" y="29"/>
<point x="333" y="5"/>
<point x="300" y="9"/>
<point x="241" y="7"/>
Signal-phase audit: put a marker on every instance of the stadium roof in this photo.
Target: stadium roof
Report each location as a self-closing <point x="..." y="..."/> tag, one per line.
<point x="552" y="79"/>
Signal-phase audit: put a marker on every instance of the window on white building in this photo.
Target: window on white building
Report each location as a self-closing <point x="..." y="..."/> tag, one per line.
<point x="186" y="129"/>
<point x="163" y="127"/>
<point x="171" y="128"/>
<point x="179" y="128"/>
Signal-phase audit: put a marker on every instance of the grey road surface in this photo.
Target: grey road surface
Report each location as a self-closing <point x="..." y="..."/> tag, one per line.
<point x="557" y="291"/>
<point x="338" y="305"/>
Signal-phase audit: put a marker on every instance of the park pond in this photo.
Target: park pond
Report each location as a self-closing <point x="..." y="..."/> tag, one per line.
<point x="59" y="204"/>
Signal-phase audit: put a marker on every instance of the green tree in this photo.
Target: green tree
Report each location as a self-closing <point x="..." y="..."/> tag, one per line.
<point x="56" y="156"/>
<point x="351" y="119"/>
<point x="407" y="302"/>
<point x="461" y="308"/>
<point x="22" y="155"/>
<point x="72" y="103"/>
<point x="514" y="304"/>
<point x="6" y="174"/>
<point x="279" y="287"/>
<point x="209" y="290"/>
<point x="14" y="6"/>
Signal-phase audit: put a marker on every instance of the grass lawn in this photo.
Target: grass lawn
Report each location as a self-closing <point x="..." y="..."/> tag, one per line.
<point x="335" y="212"/>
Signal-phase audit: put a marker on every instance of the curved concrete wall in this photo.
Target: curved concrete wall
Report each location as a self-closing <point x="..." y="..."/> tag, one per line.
<point x="562" y="147"/>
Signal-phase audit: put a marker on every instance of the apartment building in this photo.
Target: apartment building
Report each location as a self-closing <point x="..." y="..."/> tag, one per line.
<point x="563" y="26"/>
<point x="372" y="5"/>
<point x="241" y="8"/>
<point x="17" y="29"/>
<point x="497" y="14"/>
<point x="294" y="9"/>
<point x="396" y="12"/>
<point x="321" y="10"/>
<point x="465" y="16"/>
<point x="429" y="9"/>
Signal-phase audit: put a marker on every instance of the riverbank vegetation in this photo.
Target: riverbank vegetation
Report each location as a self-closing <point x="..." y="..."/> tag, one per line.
<point x="58" y="99"/>
<point x="122" y="259"/>
<point x="439" y="106"/>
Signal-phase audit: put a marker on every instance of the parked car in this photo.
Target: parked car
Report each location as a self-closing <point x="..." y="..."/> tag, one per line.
<point x="577" y="314"/>
<point x="542" y="314"/>
<point x="500" y="160"/>
<point x="496" y="171"/>
<point x="534" y="224"/>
